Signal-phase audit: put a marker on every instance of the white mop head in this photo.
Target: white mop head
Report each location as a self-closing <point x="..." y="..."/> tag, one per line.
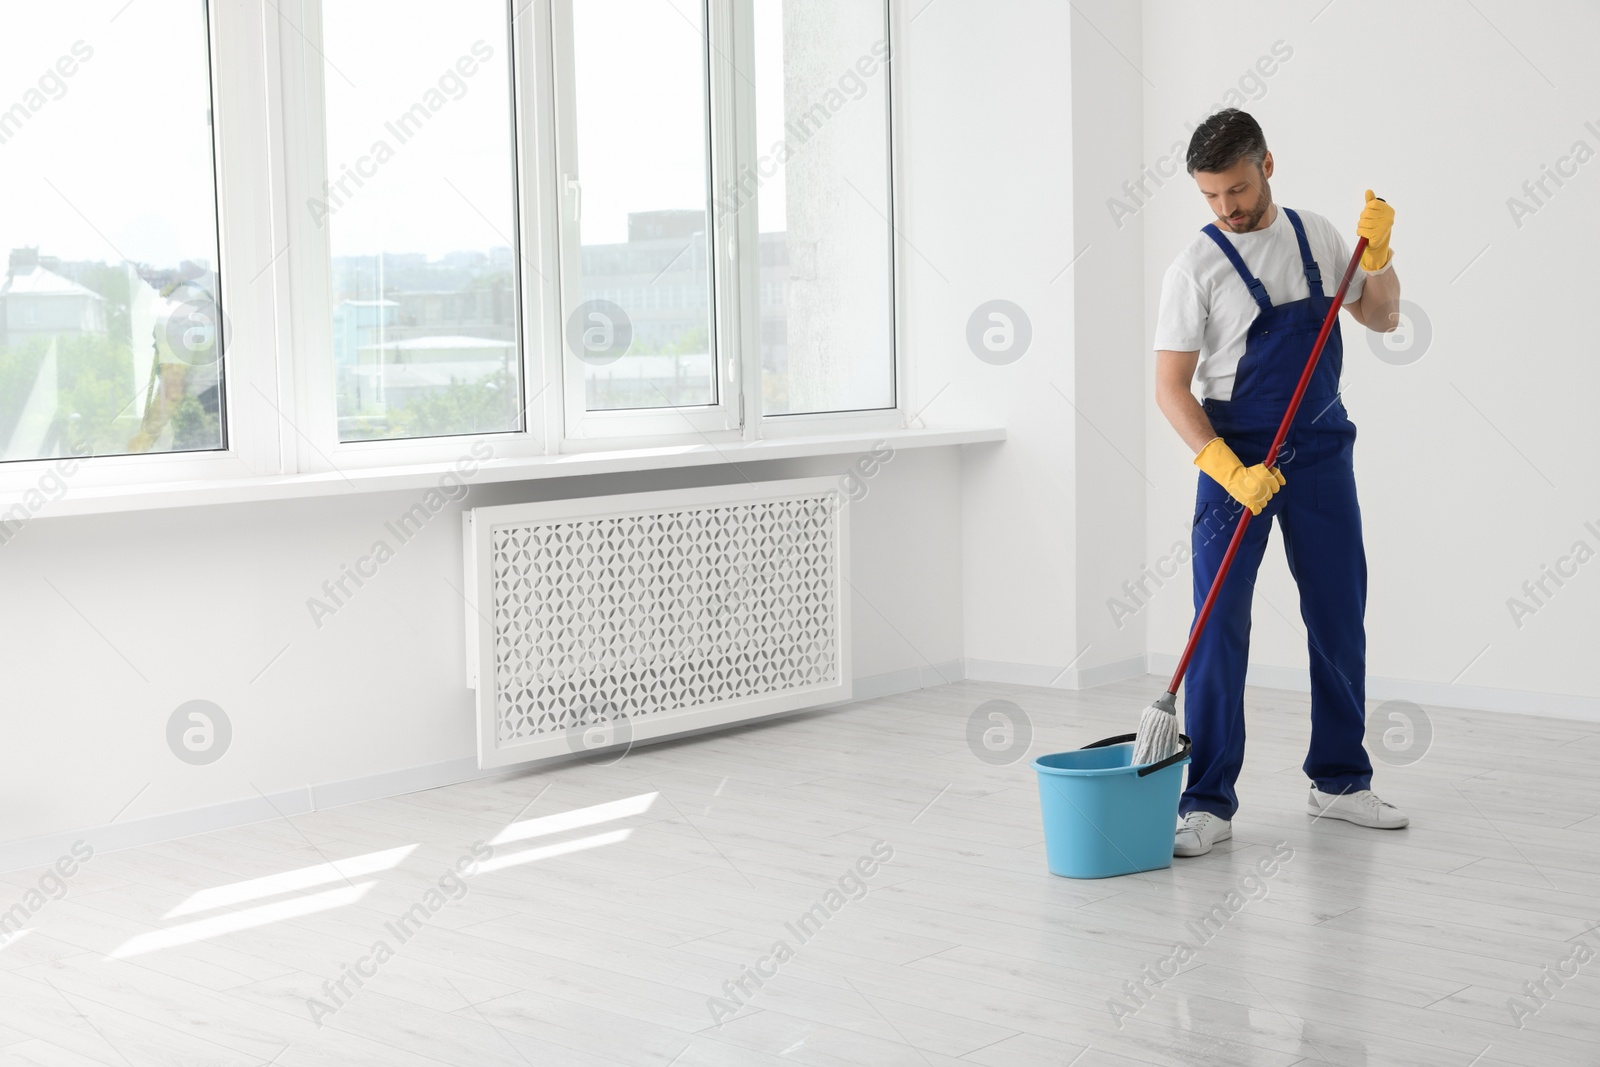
<point x="1158" y="732"/>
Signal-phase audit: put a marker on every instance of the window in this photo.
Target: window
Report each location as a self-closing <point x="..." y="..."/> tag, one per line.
<point x="635" y="174"/>
<point x="111" y="338"/>
<point x="373" y="230"/>
<point x="765" y="200"/>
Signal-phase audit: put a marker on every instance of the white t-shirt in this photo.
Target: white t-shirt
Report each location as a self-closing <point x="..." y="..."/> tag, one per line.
<point x="1206" y="308"/>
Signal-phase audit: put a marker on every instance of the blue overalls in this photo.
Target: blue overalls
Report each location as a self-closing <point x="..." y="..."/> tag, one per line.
<point x="1321" y="522"/>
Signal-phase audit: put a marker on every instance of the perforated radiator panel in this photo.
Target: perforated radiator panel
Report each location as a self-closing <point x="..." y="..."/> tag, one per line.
<point x="657" y="612"/>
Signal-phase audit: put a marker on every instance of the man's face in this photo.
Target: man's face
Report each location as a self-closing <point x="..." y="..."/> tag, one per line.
<point x="1239" y="196"/>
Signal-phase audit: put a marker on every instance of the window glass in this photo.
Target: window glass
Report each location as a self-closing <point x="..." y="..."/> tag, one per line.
<point x="641" y="321"/>
<point x="111" y="326"/>
<point x="821" y="183"/>
<point x="421" y="218"/>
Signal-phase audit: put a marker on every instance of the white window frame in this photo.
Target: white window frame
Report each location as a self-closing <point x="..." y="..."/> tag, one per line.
<point x="241" y="152"/>
<point x="776" y="425"/>
<point x="318" y="447"/>
<point x="719" y="420"/>
<point x="269" y="140"/>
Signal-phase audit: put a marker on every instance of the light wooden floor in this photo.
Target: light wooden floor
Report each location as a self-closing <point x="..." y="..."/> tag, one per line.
<point x="604" y="938"/>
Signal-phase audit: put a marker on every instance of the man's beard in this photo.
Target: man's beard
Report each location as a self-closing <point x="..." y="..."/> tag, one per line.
<point x="1252" y="221"/>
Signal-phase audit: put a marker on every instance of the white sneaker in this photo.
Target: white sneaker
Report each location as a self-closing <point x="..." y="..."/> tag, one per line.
<point x="1198" y="831"/>
<point x="1362" y="807"/>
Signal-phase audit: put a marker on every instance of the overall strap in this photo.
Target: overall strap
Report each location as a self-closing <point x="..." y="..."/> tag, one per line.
<point x="1313" y="274"/>
<point x="1257" y="290"/>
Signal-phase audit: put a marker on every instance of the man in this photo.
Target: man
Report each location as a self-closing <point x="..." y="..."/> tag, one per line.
<point x="187" y="345"/>
<point x="1241" y="307"/>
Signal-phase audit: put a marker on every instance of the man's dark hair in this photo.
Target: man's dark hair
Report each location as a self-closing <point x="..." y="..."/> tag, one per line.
<point x="1225" y="138"/>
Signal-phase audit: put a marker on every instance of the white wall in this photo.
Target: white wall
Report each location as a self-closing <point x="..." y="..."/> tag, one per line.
<point x="112" y="621"/>
<point x="990" y="167"/>
<point x="1009" y="112"/>
<point x="1476" y="462"/>
<point x="1110" y="406"/>
<point x="985" y="194"/>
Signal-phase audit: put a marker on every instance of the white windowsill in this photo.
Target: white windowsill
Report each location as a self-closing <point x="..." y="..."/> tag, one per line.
<point x="98" y="500"/>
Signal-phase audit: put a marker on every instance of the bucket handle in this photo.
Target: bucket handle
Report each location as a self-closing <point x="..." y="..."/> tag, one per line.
<point x="1149" y="768"/>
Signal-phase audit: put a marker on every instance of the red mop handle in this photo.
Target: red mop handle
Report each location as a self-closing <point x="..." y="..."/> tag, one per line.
<point x="1272" y="454"/>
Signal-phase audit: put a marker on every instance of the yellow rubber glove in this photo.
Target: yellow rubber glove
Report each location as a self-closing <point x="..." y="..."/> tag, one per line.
<point x="1251" y="486"/>
<point x="1377" y="219"/>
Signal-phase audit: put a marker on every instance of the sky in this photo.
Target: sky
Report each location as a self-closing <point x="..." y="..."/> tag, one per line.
<point x="117" y="162"/>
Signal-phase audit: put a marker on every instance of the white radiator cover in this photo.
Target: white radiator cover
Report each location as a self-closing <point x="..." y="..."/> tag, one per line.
<point x="597" y="622"/>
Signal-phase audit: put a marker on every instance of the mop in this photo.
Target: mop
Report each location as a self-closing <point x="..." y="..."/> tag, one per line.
<point x="1158" y="725"/>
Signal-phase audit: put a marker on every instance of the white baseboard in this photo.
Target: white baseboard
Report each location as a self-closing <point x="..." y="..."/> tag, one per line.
<point x="47" y="848"/>
<point x="1434" y="694"/>
<point x="989" y="670"/>
<point x="908" y="680"/>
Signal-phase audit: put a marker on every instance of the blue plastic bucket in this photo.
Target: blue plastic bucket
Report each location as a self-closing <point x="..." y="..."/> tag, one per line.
<point x="1102" y="815"/>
